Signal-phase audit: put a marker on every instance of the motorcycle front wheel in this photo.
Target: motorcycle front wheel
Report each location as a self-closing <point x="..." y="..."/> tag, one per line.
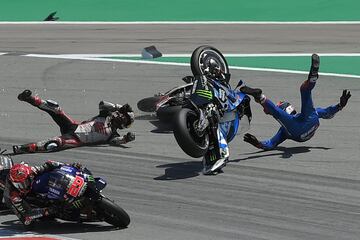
<point x="189" y="141"/>
<point x="113" y="213"/>
<point x="202" y="57"/>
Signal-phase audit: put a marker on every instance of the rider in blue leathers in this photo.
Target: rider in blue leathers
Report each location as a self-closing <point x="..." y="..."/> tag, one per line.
<point x="299" y="127"/>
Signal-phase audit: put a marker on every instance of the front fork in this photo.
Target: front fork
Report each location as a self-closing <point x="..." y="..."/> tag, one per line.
<point x="213" y="153"/>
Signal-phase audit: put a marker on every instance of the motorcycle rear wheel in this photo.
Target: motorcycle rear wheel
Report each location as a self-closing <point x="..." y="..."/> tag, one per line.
<point x="113" y="213"/>
<point x="185" y="135"/>
<point x="167" y="113"/>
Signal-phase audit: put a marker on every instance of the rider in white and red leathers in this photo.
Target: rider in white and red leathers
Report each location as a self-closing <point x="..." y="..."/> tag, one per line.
<point x="100" y="129"/>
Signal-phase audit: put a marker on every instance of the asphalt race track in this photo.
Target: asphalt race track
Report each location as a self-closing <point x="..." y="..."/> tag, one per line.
<point x="302" y="191"/>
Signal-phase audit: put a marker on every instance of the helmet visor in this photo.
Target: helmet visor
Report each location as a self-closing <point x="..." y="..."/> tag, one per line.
<point x="23" y="186"/>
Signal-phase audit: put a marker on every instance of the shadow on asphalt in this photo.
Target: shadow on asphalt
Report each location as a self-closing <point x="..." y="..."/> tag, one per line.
<point x="162" y="127"/>
<point x="182" y="170"/>
<point x="55" y="227"/>
<point x="282" y="152"/>
<point x="146" y="117"/>
<point x="174" y="171"/>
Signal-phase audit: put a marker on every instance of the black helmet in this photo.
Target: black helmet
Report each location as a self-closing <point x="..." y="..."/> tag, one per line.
<point x="120" y="120"/>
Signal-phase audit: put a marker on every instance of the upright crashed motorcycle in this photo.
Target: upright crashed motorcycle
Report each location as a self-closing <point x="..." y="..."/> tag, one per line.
<point x="213" y="113"/>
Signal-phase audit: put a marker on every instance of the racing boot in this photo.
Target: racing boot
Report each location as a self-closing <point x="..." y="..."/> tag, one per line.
<point x="314" y="69"/>
<point x="25" y="95"/>
<point x="255" y="92"/>
<point x="25" y="148"/>
<point x="110" y="107"/>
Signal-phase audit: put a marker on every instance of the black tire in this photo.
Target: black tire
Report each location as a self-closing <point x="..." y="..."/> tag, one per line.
<point x="113" y="213"/>
<point x="202" y="55"/>
<point x="167" y="114"/>
<point x="148" y="104"/>
<point x="185" y="136"/>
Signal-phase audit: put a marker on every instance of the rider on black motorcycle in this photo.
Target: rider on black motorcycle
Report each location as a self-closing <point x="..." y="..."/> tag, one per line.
<point x="98" y="130"/>
<point x="17" y="187"/>
<point x="63" y="191"/>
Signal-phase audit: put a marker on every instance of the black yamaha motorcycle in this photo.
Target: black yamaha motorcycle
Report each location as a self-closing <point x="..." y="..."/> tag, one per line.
<point x="167" y="104"/>
<point x="74" y="192"/>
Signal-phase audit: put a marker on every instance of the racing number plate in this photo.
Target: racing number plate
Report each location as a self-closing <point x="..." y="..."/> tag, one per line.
<point x="76" y="186"/>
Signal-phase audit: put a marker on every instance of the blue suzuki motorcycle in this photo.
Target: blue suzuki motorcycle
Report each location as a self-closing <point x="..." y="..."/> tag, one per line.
<point x="213" y="113"/>
<point x="205" y="113"/>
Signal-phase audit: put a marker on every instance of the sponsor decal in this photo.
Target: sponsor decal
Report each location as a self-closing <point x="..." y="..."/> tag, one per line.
<point x="310" y="133"/>
<point x="66" y="169"/>
<point x="204" y="93"/>
<point x="54" y="191"/>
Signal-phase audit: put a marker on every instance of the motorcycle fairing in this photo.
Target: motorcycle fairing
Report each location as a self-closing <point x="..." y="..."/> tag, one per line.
<point x="100" y="183"/>
<point x="50" y="185"/>
<point x="201" y="93"/>
<point x="221" y="151"/>
<point x="176" y="92"/>
<point x="55" y="185"/>
<point x="230" y="128"/>
<point x="176" y="89"/>
<point x="229" y="123"/>
<point x="223" y="145"/>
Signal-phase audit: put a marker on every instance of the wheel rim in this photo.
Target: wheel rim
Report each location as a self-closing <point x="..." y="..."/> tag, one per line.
<point x="202" y="141"/>
<point x="204" y="61"/>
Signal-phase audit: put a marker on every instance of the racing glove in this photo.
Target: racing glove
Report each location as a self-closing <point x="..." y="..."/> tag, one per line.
<point x="130" y="136"/>
<point x="124" y="108"/>
<point x="252" y="140"/>
<point x="76" y="165"/>
<point x="344" y="99"/>
<point x="119" y="140"/>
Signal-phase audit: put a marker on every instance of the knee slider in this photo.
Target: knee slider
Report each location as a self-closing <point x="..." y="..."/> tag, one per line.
<point x="51" y="105"/>
<point x="52" y="145"/>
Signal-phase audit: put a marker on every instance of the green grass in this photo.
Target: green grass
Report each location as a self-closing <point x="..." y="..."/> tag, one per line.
<point x="185" y="10"/>
<point x="339" y="65"/>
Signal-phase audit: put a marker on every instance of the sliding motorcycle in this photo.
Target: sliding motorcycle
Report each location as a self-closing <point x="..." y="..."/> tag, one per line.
<point x="166" y="105"/>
